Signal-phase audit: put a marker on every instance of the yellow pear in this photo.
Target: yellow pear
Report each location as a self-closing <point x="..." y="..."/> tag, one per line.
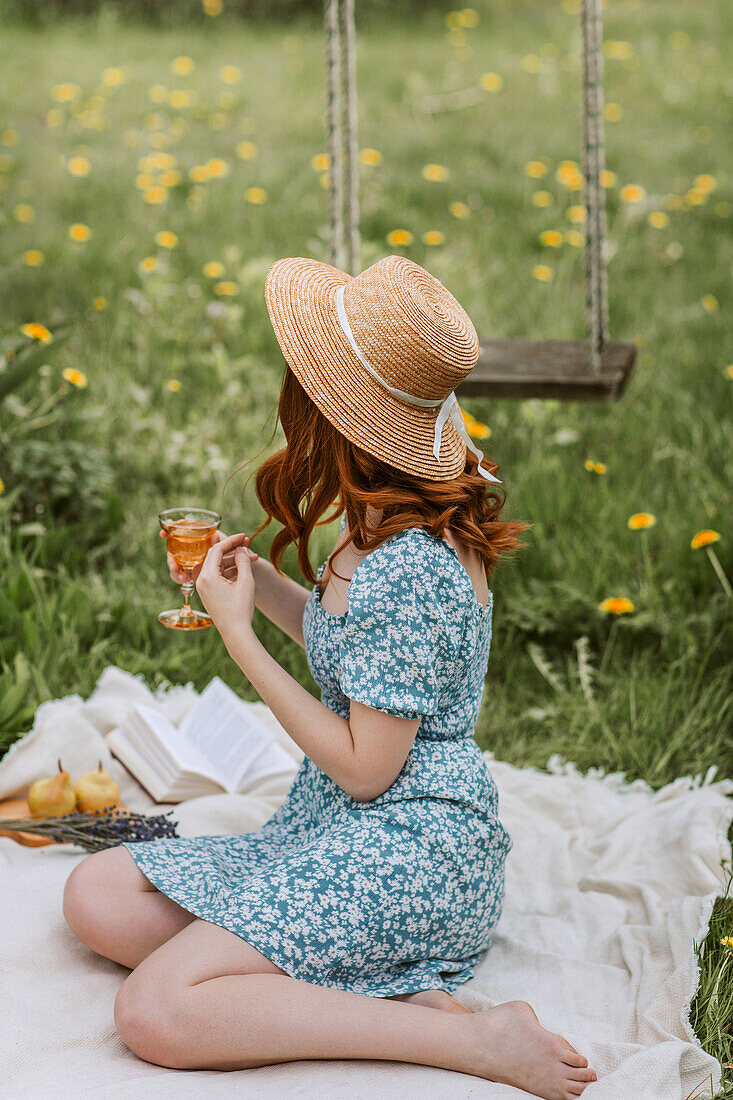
<point x="52" y="796"/>
<point x="96" y="790"/>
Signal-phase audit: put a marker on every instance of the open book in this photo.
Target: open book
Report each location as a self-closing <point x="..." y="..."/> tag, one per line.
<point x="220" y="746"/>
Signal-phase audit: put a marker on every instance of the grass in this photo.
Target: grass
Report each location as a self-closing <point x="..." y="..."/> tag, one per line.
<point x="182" y="381"/>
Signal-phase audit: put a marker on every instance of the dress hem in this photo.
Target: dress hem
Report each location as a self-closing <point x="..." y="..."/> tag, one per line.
<point x="287" y="966"/>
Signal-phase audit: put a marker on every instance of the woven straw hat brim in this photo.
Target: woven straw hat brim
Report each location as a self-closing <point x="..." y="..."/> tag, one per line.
<point x="300" y="295"/>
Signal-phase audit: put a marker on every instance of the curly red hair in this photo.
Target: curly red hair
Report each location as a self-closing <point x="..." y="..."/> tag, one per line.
<point x="320" y="468"/>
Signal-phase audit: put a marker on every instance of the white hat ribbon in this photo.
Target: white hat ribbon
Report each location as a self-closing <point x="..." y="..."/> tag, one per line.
<point x="448" y="407"/>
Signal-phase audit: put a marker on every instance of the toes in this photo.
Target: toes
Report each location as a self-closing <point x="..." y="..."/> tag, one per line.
<point x="571" y="1057"/>
<point x="586" y="1075"/>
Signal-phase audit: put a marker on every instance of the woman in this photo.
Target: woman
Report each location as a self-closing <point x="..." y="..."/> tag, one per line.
<point x="342" y="926"/>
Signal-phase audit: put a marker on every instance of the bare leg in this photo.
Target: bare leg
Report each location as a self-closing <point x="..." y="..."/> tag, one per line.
<point x="208" y="1000"/>
<point x="432" y="998"/>
<point x="114" y="909"/>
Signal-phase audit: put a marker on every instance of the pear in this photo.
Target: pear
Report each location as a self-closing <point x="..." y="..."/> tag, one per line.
<point x="52" y="796"/>
<point x="96" y="790"/>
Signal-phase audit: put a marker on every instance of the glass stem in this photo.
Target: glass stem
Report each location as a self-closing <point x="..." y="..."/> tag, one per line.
<point x="186" y="590"/>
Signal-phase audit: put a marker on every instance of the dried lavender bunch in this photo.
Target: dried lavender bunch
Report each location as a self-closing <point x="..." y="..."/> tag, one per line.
<point x="93" y="832"/>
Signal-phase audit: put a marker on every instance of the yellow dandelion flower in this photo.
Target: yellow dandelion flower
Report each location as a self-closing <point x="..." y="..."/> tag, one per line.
<point x="571" y="7"/>
<point x="321" y="162"/>
<point x="213" y="269"/>
<point x="158" y="93"/>
<point x="217" y="121"/>
<point x="729" y="371"/>
<point x="325" y="179"/>
<point x="658" y="219"/>
<point x="99" y="303"/>
<point x="79" y="232"/>
<point x="632" y="192"/>
<point x="435" y="172"/>
<point x="54" y="118"/>
<point x="613" y="112"/>
<point x="256" y="195"/>
<point x="709" y="303"/>
<point x="704" y="538"/>
<point x="226" y="289"/>
<point x="180" y="98"/>
<point x="24" y="213"/>
<point x="372" y="157"/>
<point x="230" y="74"/>
<point x="212" y="7"/>
<point x="543" y="273"/>
<point x="156" y="195"/>
<point x="589" y="464"/>
<point x="478" y="430"/>
<point x="218" y="168"/>
<point x="79" y="166"/>
<point x="113" y="77"/>
<point x="37" y="331"/>
<point x="33" y="257"/>
<point x="535" y="169"/>
<point x="459" y="210"/>
<point x="147" y="265"/>
<point x="173" y="385"/>
<point x="616" y="605"/>
<point x="2" y="485"/>
<point x="143" y="180"/>
<point x="674" y="202"/>
<point x="467" y="417"/>
<point x="569" y="176"/>
<point x="608" y="179"/>
<point x="600" y="468"/>
<point x="576" y="214"/>
<point x="727" y="941"/>
<point x="532" y="63"/>
<point x="398" y="237"/>
<point x="166" y="239"/>
<point x="491" y="82"/>
<point x="705" y="183"/>
<point x="433" y="237"/>
<point x="640" y="520"/>
<point x="542" y="198"/>
<point x="246" y="150"/>
<point x="575" y="238"/>
<point x="695" y="197"/>
<point x="76" y="377"/>
<point x="199" y="173"/>
<point x="65" y="93"/>
<point x="617" y="51"/>
<point x="9" y="137"/>
<point x="182" y="65"/>
<point x="227" y="100"/>
<point x="551" y="238"/>
<point x="470" y="17"/>
<point x="170" y="178"/>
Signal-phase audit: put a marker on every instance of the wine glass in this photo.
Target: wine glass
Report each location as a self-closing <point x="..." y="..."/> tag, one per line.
<point x="189" y="534"/>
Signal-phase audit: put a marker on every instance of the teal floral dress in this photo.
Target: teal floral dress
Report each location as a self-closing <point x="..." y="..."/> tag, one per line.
<point x="401" y="893"/>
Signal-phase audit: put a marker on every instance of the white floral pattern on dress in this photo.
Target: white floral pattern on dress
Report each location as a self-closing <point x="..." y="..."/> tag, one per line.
<point x="401" y="893"/>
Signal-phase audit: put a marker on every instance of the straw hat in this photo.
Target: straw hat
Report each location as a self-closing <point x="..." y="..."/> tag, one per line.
<point x="380" y="354"/>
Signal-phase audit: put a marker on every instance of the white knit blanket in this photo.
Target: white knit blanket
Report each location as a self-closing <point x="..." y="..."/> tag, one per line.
<point x="609" y="886"/>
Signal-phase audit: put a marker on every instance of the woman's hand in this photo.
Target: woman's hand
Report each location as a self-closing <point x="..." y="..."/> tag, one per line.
<point x="229" y="568"/>
<point x="228" y="591"/>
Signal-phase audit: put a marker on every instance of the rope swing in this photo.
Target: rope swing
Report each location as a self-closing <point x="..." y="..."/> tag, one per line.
<point x="593" y="369"/>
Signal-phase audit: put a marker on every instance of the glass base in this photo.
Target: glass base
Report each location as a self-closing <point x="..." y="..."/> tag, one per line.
<point x="184" y="620"/>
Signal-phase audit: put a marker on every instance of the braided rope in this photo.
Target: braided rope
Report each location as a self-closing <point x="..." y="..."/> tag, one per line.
<point x="596" y="290"/>
<point x="350" y="134"/>
<point x="333" y="134"/>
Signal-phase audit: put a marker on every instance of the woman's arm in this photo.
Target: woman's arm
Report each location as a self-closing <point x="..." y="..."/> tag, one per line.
<point x="363" y="755"/>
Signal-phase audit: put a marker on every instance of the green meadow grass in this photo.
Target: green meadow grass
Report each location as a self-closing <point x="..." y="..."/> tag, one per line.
<point x="648" y="693"/>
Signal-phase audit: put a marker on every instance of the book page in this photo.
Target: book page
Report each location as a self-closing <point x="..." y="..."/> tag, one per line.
<point x="225" y="733"/>
<point x="270" y="764"/>
<point x="179" y="748"/>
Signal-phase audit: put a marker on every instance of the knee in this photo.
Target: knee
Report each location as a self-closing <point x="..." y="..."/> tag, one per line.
<point x="146" y="1024"/>
<point x="85" y="897"/>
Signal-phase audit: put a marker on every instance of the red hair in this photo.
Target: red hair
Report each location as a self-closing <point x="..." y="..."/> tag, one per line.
<point x="319" y="467"/>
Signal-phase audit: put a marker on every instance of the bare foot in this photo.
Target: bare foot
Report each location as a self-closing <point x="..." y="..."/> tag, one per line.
<point x="432" y="998"/>
<point x="514" y="1048"/>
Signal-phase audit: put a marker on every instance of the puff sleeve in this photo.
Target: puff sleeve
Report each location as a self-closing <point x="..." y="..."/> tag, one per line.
<point x="399" y="644"/>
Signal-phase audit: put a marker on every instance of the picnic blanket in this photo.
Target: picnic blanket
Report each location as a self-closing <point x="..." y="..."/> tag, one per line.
<point x="609" y="886"/>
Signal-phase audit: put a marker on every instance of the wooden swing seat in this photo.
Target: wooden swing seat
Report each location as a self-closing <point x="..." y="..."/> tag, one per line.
<point x="557" y="369"/>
